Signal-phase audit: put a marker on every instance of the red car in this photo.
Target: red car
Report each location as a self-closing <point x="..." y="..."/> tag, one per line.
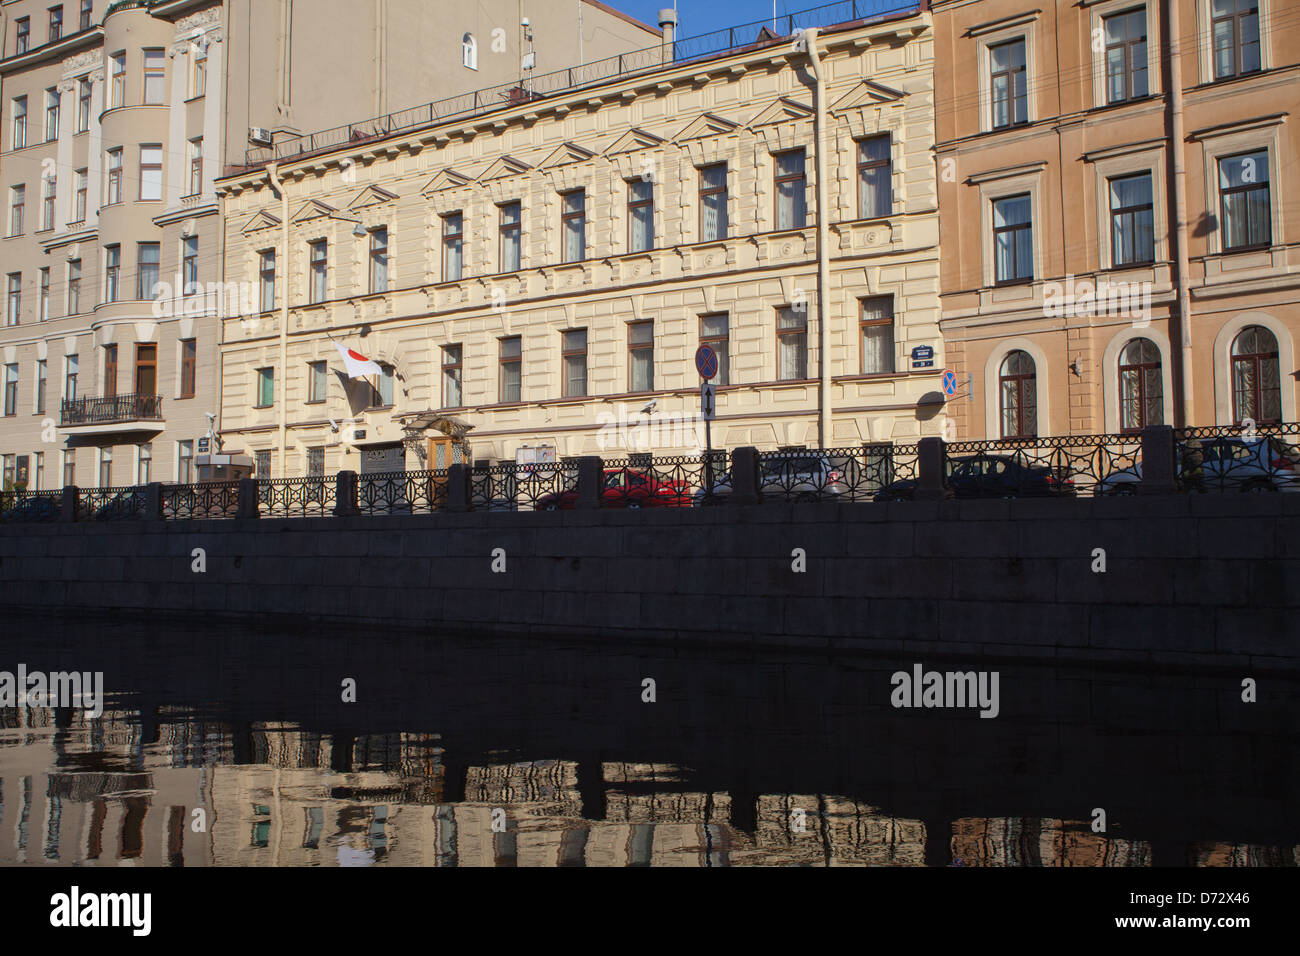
<point x="626" y="488"/>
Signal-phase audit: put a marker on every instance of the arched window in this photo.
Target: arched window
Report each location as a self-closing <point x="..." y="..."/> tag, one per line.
<point x="469" y="51"/>
<point x="1256" y="376"/>
<point x="1141" y="388"/>
<point x="1018" y="396"/>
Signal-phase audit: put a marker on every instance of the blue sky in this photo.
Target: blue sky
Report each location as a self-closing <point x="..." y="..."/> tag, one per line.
<point x="703" y="16"/>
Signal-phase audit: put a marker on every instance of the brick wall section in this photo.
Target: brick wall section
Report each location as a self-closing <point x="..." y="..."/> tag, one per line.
<point x="1206" y="580"/>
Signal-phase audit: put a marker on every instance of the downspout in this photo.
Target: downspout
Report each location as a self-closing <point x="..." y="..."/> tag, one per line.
<point x="282" y="268"/>
<point x="1180" y="215"/>
<point x="823" y="244"/>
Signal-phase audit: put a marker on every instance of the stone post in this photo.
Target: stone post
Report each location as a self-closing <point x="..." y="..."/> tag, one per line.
<point x="1160" y="465"/>
<point x="248" y="507"/>
<point x="346" y="488"/>
<point x="591" y="481"/>
<point x="930" y="461"/>
<point x="744" y="475"/>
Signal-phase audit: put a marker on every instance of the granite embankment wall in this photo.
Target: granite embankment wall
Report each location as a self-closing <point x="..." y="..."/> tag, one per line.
<point x="1202" y="580"/>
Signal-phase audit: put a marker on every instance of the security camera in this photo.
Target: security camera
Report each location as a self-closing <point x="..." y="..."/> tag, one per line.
<point x="524" y="22"/>
<point x="212" y="417"/>
<point x="650" y="406"/>
<point x="334" y="426"/>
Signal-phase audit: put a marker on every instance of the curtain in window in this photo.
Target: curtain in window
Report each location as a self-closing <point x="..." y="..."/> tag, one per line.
<point x="714" y="221"/>
<point x="874" y="187"/>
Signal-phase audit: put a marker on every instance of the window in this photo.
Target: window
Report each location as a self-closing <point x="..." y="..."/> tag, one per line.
<point x="511" y="233"/>
<point x="144" y="462"/>
<point x="185" y="461"/>
<point x="453" y="235"/>
<point x="48" y="189"/>
<point x="196" y="166"/>
<point x="11" y="390"/>
<point x="469" y="51"/>
<point x="382" y="395"/>
<point x="379" y="260"/>
<point x="1235" y="28"/>
<point x="640" y="356"/>
<point x="316" y="461"/>
<point x="14" y="299"/>
<point x="319" y="262"/>
<point x="875" y="178"/>
<point x="714" y="333"/>
<point x="154" y="65"/>
<point x="713" y="203"/>
<point x="112" y="266"/>
<point x="41" y="380"/>
<point x="1018" y="396"/>
<point x="265" y="387"/>
<point x="51" y="114"/>
<point x="1141" y="391"/>
<point x="512" y="366"/>
<point x="190" y="265"/>
<point x="56" y="23"/>
<point x="83" y="105"/>
<point x="199" y="81"/>
<point x="114" y="192"/>
<point x="85" y="21"/>
<point x="262" y="463"/>
<point x="877" y="329"/>
<point x="1013" y="240"/>
<point x="1244" y="201"/>
<point x="79" y="196"/>
<point x="74" y="287"/>
<point x="69" y="467"/>
<point x="23" y="35"/>
<point x="573" y="226"/>
<point x="1256" y="376"/>
<point x="1132" y="230"/>
<point x="640" y="215"/>
<point x="19" y="138"/>
<point x="451" y="376"/>
<point x="106" y="467"/>
<point x="146" y="275"/>
<point x="1126" y="55"/>
<point x="40" y="472"/>
<point x="189" y="367"/>
<point x="266" y="270"/>
<point x="151" y="172"/>
<point x="791" y="191"/>
<point x="110" y="371"/>
<point x="43" y="302"/>
<point x="70" y="378"/>
<point x="1008" y="82"/>
<point x="316" y="382"/>
<point x="574" y="361"/>
<point x="17" y="209"/>
<point x="791" y="344"/>
<point x="117" y="80"/>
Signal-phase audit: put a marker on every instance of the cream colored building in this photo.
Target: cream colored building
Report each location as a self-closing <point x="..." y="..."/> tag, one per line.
<point x="545" y="272"/>
<point x="115" y="120"/>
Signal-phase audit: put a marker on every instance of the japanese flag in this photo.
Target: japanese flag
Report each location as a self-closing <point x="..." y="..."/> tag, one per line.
<point x="358" y="365"/>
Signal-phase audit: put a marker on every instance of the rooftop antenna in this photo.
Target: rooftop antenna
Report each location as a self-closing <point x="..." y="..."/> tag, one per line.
<point x="530" y="58"/>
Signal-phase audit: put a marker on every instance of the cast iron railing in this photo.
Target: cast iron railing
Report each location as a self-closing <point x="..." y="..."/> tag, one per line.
<point x="111" y="504"/>
<point x="111" y="409"/>
<point x="297" y="497"/>
<point x="835" y="474"/>
<point x="508" y="486"/>
<point x="402" y="492"/>
<point x="30" y="505"/>
<point x="1250" y="458"/>
<point x="1066" y="466"/>
<point x="208" y="499"/>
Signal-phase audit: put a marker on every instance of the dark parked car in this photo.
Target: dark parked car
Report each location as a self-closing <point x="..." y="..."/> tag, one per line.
<point x="34" y="508"/>
<point x="990" y="476"/>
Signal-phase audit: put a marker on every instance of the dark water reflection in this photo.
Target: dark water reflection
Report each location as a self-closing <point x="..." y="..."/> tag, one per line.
<point x="488" y="752"/>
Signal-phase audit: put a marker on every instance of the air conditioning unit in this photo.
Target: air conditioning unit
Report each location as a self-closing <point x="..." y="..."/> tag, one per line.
<point x="259" y="136"/>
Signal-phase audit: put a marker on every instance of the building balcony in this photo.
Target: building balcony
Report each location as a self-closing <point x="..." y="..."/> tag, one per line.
<point x="111" y="413"/>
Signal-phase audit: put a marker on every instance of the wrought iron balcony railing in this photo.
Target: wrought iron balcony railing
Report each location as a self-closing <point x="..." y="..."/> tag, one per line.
<point x="111" y="409"/>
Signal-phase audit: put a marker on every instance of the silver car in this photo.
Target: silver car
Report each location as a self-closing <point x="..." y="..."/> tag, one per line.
<point x="1266" y="463"/>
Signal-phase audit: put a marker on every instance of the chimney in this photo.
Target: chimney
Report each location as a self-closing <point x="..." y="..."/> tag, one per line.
<point x="668" y="24"/>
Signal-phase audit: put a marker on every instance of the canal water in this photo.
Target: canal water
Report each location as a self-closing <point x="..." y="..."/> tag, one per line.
<point x="224" y="745"/>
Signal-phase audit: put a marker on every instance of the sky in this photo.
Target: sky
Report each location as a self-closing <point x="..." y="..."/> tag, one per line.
<point x="704" y="16"/>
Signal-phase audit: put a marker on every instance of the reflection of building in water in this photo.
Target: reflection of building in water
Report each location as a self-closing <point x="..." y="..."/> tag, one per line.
<point x="79" y="791"/>
<point x="1031" y="841"/>
<point x="1243" y="854"/>
<point x="96" y="792"/>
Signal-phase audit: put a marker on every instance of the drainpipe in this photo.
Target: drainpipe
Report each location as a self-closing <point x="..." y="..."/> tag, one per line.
<point x="282" y="268"/>
<point x="1180" y="215"/>
<point x="823" y="244"/>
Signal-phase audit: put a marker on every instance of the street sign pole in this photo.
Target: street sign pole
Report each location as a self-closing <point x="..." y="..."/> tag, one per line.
<point x="706" y="363"/>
